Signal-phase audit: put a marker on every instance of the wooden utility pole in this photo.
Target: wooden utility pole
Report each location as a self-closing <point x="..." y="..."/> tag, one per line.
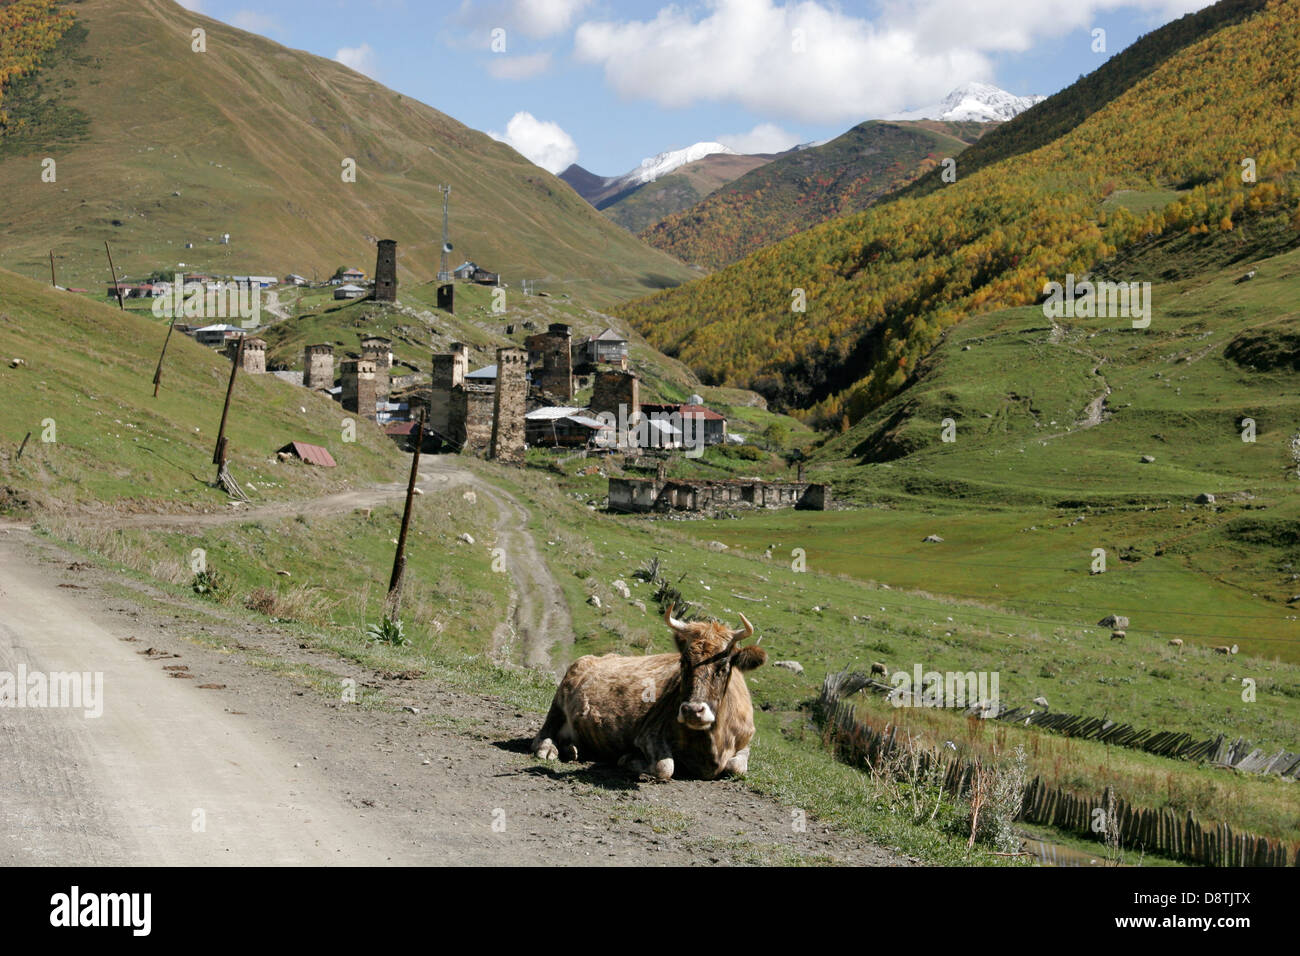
<point x="22" y="447"/>
<point x="157" y="375"/>
<point x="219" y="453"/>
<point x="113" y="269"/>
<point x="54" y="282"/>
<point x="393" y="603"/>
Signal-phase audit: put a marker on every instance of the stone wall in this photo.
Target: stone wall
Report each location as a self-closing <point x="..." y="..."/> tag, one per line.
<point x="673" y="494"/>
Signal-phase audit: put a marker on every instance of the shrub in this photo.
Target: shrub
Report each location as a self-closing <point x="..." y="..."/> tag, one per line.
<point x="387" y="631"/>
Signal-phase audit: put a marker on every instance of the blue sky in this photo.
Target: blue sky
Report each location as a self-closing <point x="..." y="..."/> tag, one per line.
<point x="610" y="82"/>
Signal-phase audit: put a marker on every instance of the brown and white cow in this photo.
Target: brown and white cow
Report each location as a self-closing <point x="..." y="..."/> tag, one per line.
<point x="686" y="714"/>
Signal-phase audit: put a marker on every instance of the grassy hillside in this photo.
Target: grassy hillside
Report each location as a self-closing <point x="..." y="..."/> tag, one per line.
<point x="803" y="188"/>
<point x="85" y="382"/>
<point x="249" y="140"/>
<point x="881" y="286"/>
<point x="680" y="189"/>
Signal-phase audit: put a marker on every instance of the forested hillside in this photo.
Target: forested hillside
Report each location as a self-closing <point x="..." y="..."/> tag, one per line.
<point x="806" y="187"/>
<point x="880" y="287"/>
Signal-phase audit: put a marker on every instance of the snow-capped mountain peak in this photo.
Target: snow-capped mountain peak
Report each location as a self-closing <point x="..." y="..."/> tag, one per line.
<point x="663" y="164"/>
<point x="974" y="101"/>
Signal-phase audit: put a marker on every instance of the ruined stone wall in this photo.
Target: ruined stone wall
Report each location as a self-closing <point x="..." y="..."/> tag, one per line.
<point x="509" y="406"/>
<point x="386" y="271"/>
<point x="657" y="494"/>
<point x="318" y="367"/>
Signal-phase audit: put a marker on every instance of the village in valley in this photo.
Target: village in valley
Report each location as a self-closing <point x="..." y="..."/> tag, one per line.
<point x="913" y="486"/>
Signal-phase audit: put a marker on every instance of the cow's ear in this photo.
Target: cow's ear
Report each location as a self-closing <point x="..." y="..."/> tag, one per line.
<point x="748" y="658"/>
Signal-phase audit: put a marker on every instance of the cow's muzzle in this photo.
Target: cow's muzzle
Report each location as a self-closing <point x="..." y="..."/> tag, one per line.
<point x="696" y="714"/>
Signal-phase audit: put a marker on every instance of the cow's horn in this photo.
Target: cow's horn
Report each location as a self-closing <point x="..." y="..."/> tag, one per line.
<point x="745" y="633"/>
<point x="671" y="621"/>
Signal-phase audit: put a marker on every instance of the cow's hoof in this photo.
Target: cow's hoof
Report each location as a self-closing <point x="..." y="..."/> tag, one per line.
<point x="664" y="770"/>
<point x="569" y="753"/>
<point x="739" y="764"/>
<point x="546" y="750"/>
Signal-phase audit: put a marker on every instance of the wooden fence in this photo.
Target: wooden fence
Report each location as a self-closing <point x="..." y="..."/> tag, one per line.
<point x="1149" y="830"/>
<point x="1236" y="754"/>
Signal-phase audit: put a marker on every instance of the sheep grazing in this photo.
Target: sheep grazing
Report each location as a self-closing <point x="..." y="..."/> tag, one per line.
<point x="1118" y="635"/>
<point x="879" y="668"/>
<point x="1176" y="642"/>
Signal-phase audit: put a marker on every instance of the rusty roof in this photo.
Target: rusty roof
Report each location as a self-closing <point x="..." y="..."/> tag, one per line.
<point x="312" y="454"/>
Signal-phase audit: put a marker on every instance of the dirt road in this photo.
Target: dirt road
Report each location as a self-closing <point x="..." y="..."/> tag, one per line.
<point x="277" y="773"/>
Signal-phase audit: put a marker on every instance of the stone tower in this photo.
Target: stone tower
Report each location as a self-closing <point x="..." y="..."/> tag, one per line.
<point x="358" y="380"/>
<point x="509" y="406"/>
<point x="613" y="388"/>
<point x="318" y="367"/>
<point x="550" y="357"/>
<point x="377" y="349"/>
<point x="448" y="374"/>
<point x="386" y="271"/>
<point x="254" y="360"/>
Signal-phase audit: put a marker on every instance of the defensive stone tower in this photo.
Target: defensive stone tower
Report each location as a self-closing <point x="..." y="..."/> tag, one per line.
<point x="358" y="380"/>
<point x="509" y="406"/>
<point x="386" y="271"/>
<point x="550" y="356"/>
<point x="377" y="349"/>
<point x="318" y="367"/>
<point x="254" y="360"/>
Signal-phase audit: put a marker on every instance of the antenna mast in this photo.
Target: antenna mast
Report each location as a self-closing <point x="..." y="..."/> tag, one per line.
<point x="444" y="273"/>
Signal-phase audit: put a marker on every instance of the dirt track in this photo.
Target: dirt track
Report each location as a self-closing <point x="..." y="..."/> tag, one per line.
<point x="284" y="775"/>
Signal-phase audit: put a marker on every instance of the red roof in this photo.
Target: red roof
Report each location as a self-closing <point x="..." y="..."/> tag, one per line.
<point x="707" y="414"/>
<point x="312" y="454"/>
<point x="401" y="428"/>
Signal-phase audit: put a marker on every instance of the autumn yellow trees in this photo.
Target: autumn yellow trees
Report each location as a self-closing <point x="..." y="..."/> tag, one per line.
<point x="879" y="287"/>
<point x="28" y="30"/>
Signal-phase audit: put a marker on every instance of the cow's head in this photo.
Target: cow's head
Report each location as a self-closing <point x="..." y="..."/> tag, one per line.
<point x="709" y="653"/>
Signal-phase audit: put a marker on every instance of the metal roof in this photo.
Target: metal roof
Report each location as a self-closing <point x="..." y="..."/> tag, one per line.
<point x="552" y="412"/>
<point x="312" y="454"/>
<point x="487" y="371"/>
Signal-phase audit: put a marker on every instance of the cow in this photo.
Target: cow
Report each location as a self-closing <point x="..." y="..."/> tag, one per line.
<point x="1118" y="635"/>
<point x="686" y="714"/>
<point x="879" y="668"/>
<point x="1176" y="642"/>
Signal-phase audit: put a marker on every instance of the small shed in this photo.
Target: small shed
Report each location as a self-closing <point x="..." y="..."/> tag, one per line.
<point x="311" y="454"/>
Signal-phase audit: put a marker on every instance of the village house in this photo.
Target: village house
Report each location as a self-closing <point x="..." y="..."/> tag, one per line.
<point x="469" y="271"/>
<point x="607" y="348"/>
<point x="217" y="335"/>
<point x="713" y="424"/>
<point x="349" y="291"/>
<point x="557" y="426"/>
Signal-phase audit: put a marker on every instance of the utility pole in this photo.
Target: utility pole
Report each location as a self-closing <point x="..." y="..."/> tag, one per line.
<point x="157" y="375"/>
<point x="22" y="447"/>
<point x="393" y="603"/>
<point x="54" y="282"/>
<point x="219" y="453"/>
<point x="116" y="288"/>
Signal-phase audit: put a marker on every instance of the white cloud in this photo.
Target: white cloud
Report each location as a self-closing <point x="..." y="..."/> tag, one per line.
<point x="255" y="22"/>
<point x="747" y="52"/>
<point x="359" y="58"/>
<point x="544" y="18"/>
<point x="763" y="138"/>
<point x="541" y="142"/>
<point x="518" y="67"/>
